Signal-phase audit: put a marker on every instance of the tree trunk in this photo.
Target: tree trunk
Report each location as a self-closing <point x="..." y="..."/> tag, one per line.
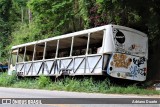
<point x="29" y="16"/>
<point x="22" y="16"/>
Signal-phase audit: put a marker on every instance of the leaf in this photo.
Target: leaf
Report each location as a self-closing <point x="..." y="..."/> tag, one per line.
<point x="99" y="1"/>
<point x="113" y="1"/>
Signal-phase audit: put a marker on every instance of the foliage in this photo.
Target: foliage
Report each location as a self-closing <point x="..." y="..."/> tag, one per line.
<point x="8" y="17"/>
<point x="43" y="81"/>
<point x="60" y="15"/>
<point x="4" y="34"/>
<point x="72" y="84"/>
<point x="6" y="80"/>
<point x="25" y="33"/>
<point x="23" y="21"/>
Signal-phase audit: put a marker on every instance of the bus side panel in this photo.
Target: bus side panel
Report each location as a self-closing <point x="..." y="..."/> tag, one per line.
<point x="127" y="67"/>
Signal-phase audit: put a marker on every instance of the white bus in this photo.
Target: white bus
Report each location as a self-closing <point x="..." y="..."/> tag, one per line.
<point x="113" y="50"/>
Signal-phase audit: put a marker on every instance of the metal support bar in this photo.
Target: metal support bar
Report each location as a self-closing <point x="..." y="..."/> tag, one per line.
<point x="72" y="46"/>
<point x="88" y="43"/>
<point x="17" y="55"/>
<point x="104" y="38"/>
<point x="10" y="58"/>
<point x="79" y="65"/>
<point x="57" y="49"/>
<point x="40" y="68"/>
<point x="69" y="63"/>
<point x="29" y="69"/>
<point x="51" y="67"/>
<point x="21" y="67"/>
<point x="44" y="52"/>
<point x="24" y="54"/>
<point x="34" y="52"/>
<point x="47" y="69"/>
<point x="96" y="64"/>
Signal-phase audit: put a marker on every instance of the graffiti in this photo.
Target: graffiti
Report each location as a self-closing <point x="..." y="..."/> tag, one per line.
<point x="142" y="71"/>
<point x="129" y="74"/>
<point x="136" y="49"/>
<point x="119" y="41"/>
<point x="120" y="48"/>
<point x="121" y="60"/>
<point x="120" y="37"/>
<point x="135" y="70"/>
<point x="138" y="62"/>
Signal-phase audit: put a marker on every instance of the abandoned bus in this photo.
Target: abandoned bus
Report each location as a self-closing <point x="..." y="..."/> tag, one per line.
<point x="113" y="50"/>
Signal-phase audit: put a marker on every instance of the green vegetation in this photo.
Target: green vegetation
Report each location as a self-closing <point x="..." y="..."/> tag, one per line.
<point x="38" y="19"/>
<point x="23" y="21"/>
<point x="72" y="84"/>
<point x="6" y="80"/>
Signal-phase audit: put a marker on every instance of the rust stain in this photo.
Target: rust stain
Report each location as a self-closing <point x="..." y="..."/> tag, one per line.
<point x="121" y="60"/>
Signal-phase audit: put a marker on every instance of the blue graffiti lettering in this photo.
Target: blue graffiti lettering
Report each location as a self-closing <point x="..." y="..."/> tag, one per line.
<point x="134" y="71"/>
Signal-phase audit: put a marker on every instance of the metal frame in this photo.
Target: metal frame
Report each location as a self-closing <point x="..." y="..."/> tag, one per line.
<point x="72" y="46"/>
<point x="80" y="33"/>
<point x="57" y="68"/>
<point x="26" y="68"/>
<point x="57" y="49"/>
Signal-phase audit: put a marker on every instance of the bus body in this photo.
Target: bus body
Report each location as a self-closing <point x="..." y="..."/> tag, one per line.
<point x="114" y="50"/>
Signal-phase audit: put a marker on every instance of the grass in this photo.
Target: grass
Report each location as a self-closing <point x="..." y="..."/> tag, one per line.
<point x="73" y="84"/>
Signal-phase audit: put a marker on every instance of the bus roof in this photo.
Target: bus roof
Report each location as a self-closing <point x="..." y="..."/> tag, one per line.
<point x="80" y="33"/>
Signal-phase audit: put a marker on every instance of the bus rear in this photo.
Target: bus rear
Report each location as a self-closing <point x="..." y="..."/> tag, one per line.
<point x="129" y="56"/>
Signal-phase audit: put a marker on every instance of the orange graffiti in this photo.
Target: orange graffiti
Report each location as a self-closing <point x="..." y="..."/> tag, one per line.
<point x="121" y="60"/>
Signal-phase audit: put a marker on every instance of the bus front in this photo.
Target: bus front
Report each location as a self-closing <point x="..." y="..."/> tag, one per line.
<point x="128" y="53"/>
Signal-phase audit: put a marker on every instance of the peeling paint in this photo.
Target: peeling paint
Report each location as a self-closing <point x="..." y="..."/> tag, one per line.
<point x="121" y="60"/>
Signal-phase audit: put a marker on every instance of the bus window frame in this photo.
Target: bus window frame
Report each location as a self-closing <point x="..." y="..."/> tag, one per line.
<point x="57" y="47"/>
<point x="26" y="52"/>
<point x="35" y="51"/>
<point x="45" y="50"/>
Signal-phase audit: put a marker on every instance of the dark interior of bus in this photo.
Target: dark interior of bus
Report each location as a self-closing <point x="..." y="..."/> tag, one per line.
<point x="64" y="47"/>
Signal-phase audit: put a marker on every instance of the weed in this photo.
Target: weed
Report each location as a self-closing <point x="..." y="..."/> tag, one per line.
<point x="7" y="80"/>
<point x="43" y="81"/>
<point x="72" y="84"/>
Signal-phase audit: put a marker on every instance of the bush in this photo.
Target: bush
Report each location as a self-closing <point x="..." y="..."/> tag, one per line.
<point x="43" y="81"/>
<point x="7" y="80"/>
